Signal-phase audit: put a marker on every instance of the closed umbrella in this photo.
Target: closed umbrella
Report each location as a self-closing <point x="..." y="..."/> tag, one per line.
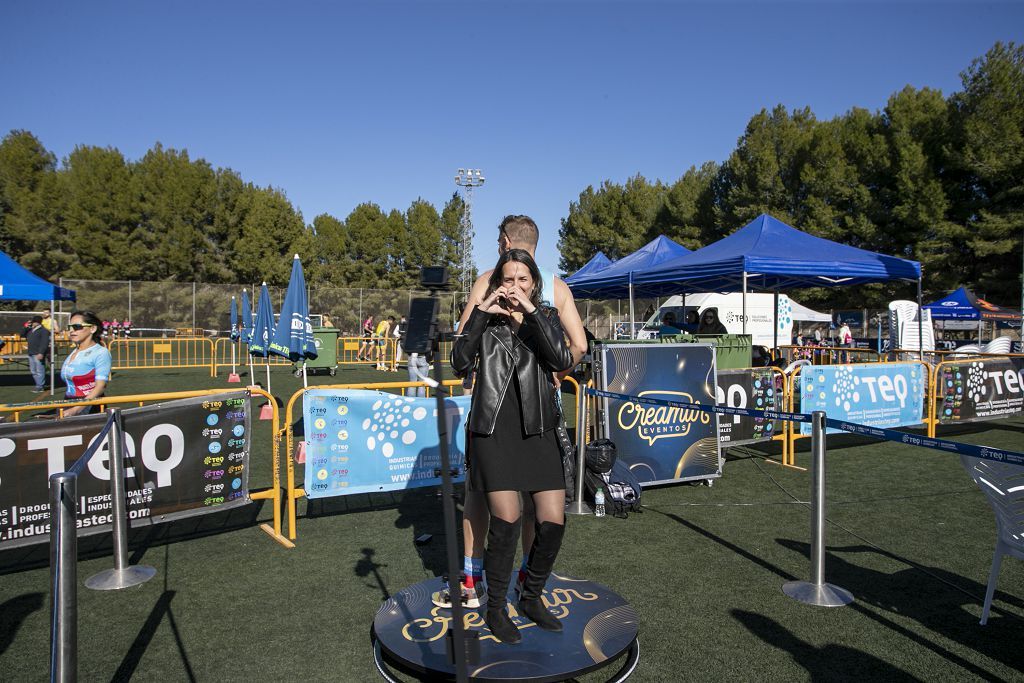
<point x="263" y="329"/>
<point x="293" y="337"/>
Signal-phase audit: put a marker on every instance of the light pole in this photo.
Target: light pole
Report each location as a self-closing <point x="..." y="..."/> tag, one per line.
<point x="468" y="178"/>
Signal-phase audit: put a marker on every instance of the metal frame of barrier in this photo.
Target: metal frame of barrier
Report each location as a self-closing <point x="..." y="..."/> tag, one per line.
<point x="933" y="393"/>
<point x="222" y="356"/>
<point x="163" y="354"/>
<point x="273" y="493"/>
<point x="791" y="406"/>
<point x="827" y="355"/>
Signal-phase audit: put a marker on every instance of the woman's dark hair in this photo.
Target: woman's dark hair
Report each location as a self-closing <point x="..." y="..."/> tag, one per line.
<point x="90" y="318"/>
<point x="518" y="256"/>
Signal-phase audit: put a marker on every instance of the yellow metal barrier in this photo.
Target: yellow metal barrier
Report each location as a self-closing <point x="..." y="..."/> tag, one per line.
<point x="794" y="383"/>
<point x="933" y="407"/>
<point x="222" y="356"/>
<point x="828" y="355"/>
<point x="273" y="493"/>
<point x="293" y="492"/>
<point x="189" y="332"/>
<point x="146" y="354"/>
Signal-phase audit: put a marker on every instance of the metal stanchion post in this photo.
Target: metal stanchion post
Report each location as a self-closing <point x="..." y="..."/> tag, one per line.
<point x="579" y="506"/>
<point x="816" y="591"/>
<point x="122" y="575"/>
<point x="63" y="577"/>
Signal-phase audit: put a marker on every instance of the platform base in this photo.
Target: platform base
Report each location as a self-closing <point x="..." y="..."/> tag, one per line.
<point x="823" y="595"/>
<point x="116" y="579"/>
<point x="599" y="627"/>
<point x="233" y="378"/>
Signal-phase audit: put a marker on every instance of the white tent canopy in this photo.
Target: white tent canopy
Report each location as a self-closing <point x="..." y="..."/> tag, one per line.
<point x="805" y="315"/>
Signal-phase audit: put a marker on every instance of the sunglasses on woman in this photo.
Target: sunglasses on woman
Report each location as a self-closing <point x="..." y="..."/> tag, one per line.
<point x="78" y="326"/>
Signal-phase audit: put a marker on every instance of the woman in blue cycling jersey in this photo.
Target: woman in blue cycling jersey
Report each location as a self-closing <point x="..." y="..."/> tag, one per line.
<point x="86" y="371"/>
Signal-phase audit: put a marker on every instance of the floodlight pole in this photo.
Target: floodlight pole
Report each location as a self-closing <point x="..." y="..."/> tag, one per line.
<point x="468" y="178"/>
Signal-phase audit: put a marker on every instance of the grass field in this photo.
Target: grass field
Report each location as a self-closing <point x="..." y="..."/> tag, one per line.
<point x="909" y="535"/>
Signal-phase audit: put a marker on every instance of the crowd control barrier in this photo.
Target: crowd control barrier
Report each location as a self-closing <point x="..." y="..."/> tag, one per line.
<point x="173" y="352"/>
<point x="879" y="393"/>
<point x="827" y="355"/>
<point x="976" y="388"/>
<point x="222" y="356"/>
<point x="294" y="493"/>
<point x="273" y="493"/>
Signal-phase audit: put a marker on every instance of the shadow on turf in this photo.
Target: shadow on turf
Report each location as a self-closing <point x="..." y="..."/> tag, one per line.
<point x="822" y="663"/>
<point x="935" y="598"/>
<point x="867" y="587"/>
<point x="140" y="539"/>
<point x="13" y="613"/>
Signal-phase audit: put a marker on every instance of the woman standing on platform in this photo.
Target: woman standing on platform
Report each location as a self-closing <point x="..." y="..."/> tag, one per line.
<point x="86" y="371"/>
<point x="515" y="345"/>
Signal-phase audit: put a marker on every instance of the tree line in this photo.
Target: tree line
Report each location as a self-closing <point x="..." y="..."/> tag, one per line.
<point x="99" y="216"/>
<point x="933" y="178"/>
<point x="936" y="179"/>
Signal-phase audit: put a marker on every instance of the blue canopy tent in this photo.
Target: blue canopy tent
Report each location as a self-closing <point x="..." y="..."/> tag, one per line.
<point x="616" y="281"/>
<point x="19" y="284"/>
<point x="595" y="265"/>
<point x="963" y="305"/>
<point x="768" y="255"/>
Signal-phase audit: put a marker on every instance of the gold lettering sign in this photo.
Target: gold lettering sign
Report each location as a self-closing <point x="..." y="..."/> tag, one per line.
<point x="660" y="422"/>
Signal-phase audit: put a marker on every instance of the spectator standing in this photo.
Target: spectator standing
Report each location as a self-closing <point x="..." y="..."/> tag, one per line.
<point x="366" y="346"/>
<point x="86" y="371"/>
<point x="126" y="328"/>
<point x="397" y="333"/>
<point x="709" y="322"/>
<point x="381" y="335"/>
<point x="38" y="351"/>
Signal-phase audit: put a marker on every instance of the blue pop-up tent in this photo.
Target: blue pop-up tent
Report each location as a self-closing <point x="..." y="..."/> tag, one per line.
<point x="616" y="280"/>
<point x="595" y="265"/>
<point x="19" y="284"/>
<point x="963" y="304"/>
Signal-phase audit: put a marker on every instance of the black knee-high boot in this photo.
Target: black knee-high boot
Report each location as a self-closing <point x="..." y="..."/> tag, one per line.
<point x="501" y="553"/>
<point x="541" y="562"/>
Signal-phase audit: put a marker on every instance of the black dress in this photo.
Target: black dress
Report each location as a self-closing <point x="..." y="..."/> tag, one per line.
<point x="509" y="459"/>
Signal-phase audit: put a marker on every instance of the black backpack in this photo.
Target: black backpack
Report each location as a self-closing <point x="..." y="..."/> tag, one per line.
<point x="621" y="489"/>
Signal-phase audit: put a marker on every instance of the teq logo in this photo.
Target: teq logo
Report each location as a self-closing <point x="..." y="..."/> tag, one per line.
<point x="950" y="303"/>
<point x="658" y="422"/>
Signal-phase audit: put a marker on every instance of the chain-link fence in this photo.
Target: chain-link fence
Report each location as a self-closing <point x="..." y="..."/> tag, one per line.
<point x="157" y="307"/>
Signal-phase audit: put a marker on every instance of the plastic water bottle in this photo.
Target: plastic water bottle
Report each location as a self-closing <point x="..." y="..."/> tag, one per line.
<point x="599" y="502"/>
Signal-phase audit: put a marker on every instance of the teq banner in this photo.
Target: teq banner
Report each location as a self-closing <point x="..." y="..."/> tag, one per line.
<point x="980" y="389"/>
<point x="661" y="444"/>
<point x="753" y="388"/>
<point x="184" y="458"/>
<point x="872" y="394"/>
<point x="360" y="441"/>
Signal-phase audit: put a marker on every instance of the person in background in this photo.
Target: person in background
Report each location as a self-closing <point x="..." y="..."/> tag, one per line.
<point x="709" y="322"/>
<point x="38" y="351"/>
<point x="418" y="368"/>
<point x="817" y="336"/>
<point x="86" y="370"/>
<point x="668" y="325"/>
<point x="326" y="321"/>
<point x="381" y="335"/>
<point x="397" y="333"/>
<point x="48" y="322"/>
<point x="366" y="346"/>
<point x="511" y="444"/>
<point x="846" y="342"/>
<point x="126" y="328"/>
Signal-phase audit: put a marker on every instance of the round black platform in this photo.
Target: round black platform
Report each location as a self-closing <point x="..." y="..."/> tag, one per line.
<point x="599" y="626"/>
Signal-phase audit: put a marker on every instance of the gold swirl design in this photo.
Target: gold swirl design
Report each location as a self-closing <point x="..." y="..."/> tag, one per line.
<point x="703" y="452"/>
<point x="606" y="625"/>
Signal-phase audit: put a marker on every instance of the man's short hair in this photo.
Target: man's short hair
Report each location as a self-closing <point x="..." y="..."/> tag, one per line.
<point x="521" y="231"/>
<point x="38" y="319"/>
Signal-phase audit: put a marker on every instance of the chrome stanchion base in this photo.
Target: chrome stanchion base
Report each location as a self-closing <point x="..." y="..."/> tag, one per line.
<point x="116" y="579"/>
<point x="823" y="595"/>
<point x="580" y="507"/>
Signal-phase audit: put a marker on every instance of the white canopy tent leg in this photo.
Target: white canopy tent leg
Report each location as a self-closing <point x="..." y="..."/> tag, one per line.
<point x="53" y="357"/>
<point x="744" y="302"/>
<point x="775" y="321"/>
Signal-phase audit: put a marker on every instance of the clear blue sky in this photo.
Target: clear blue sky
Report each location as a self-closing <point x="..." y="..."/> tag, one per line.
<point x="339" y="103"/>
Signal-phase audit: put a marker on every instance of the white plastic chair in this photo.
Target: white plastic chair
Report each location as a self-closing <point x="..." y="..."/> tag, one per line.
<point x="1003" y="486"/>
<point x="998" y="345"/>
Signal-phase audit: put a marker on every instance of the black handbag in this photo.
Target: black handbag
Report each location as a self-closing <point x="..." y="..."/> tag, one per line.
<point x="568" y="450"/>
<point x="600" y="455"/>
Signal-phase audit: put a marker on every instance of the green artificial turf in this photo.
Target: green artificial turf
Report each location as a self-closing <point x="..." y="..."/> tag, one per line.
<point x="909" y="535"/>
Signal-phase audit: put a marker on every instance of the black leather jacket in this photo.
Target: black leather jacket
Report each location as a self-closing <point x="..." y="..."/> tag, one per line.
<point x="537" y="349"/>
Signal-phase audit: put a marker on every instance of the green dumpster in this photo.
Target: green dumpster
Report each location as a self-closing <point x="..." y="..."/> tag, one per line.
<point x="326" y="340"/>
<point x="732" y="351"/>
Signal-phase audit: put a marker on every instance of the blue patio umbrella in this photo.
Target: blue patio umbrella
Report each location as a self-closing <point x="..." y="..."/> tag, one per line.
<point x="246" y="317"/>
<point x="263" y="326"/>
<point x="293" y="337"/>
<point x="234" y="320"/>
